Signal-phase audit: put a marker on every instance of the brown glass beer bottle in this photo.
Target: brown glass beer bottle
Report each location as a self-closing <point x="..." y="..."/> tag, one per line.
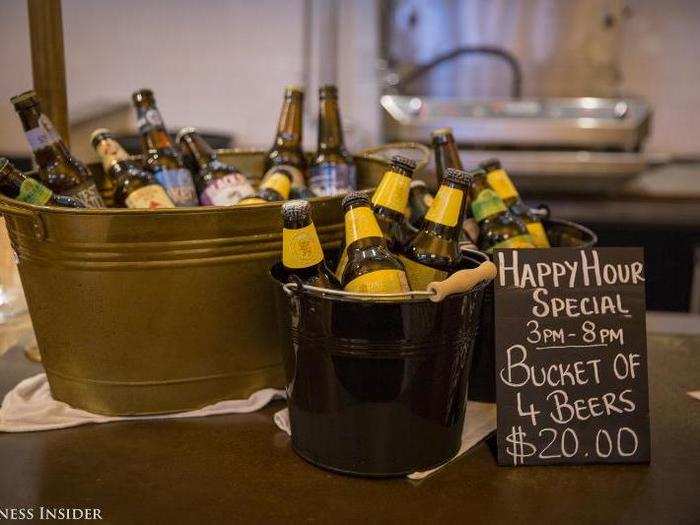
<point x="16" y="185"/>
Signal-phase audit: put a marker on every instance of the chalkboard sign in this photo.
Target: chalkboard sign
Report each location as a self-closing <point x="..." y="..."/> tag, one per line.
<point x="571" y="358"/>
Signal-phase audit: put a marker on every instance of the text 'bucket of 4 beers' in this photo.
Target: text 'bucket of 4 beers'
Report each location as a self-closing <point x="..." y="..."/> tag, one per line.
<point x="154" y="311"/>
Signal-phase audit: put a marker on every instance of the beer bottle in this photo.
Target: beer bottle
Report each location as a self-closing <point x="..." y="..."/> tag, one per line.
<point x="287" y="149"/>
<point x="447" y="156"/>
<point x="218" y="184"/>
<point x="333" y="169"/>
<point x="371" y="267"/>
<point x="58" y="169"/>
<point x="500" y="182"/>
<point x="134" y="186"/>
<point x="419" y="201"/>
<point x="160" y="154"/>
<point x="390" y="200"/>
<point x="498" y="227"/>
<point x="275" y="187"/>
<point x="434" y="252"/>
<point x="18" y="186"/>
<point x="302" y="254"/>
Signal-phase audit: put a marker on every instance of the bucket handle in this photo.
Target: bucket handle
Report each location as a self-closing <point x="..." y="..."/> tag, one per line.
<point x="459" y="282"/>
<point x="33" y="217"/>
<point x="380" y="151"/>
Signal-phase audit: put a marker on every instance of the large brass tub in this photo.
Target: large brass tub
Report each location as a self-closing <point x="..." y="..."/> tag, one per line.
<point x="140" y="312"/>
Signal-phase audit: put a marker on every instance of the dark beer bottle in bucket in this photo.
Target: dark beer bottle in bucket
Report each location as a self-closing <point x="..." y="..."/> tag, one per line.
<point x="371" y="267"/>
<point x="498" y="227"/>
<point x="434" y="251"/>
<point x="333" y="169"/>
<point x="274" y="188"/>
<point x="161" y="156"/>
<point x="16" y="185"/>
<point x="134" y="186"/>
<point x="390" y="200"/>
<point x="59" y="170"/>
<point x="302" y="254"/>
<point x="500" y="182"/>
<point x="287" y="150"/>
<point x="420" y="199"/>
<point x="218" y="184"/>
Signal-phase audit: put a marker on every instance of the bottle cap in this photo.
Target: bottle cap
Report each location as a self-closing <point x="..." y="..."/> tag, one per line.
<point x="490" y="164"/>
<point x="463" y="178"/>
<point x="183" y="132"/>
<point x="100" y="134"/>
<point x="25" y="100"/>
<point x="296" y="210"/>
<point x="355" y="197"/>
<point x="441" y="135"/>
<point x="291" y="89"/>
<point x="142" y="95"/>
<point x="403" y="164"/>
<point x="328" y="91"/>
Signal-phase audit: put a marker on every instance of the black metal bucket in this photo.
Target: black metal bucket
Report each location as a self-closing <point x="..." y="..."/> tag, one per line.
<point x="376" y="387"/>
<point x="482" y="383"/>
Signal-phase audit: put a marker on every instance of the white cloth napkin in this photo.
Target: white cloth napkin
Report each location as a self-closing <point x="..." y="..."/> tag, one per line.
<point x="29" y="407"/>
<point x="479" y="422"/>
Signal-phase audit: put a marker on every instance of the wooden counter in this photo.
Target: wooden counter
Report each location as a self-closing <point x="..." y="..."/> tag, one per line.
<point x="240" y="468"/>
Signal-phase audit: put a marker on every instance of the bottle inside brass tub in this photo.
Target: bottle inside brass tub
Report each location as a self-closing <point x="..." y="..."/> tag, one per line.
<point x="302" y="255"/>
<point x="371" y="267"/>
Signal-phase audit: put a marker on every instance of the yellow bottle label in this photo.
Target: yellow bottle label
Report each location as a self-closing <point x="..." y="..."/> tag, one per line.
<point x="487" y="203"/>
<point x="252" y="200"/>
<point x="392" y="191"/>
<point x="420" y="275"/>
<point x="151" y="197"/>
<point x="517" y="242"/>
<point x="33" y="192"/>
<point x="501" y="183"/>
<point x="539" y="236"/>
<point x="360" y="223"/>
<point x="342" y="264"/>
<point x="301" y="247"/>
<point x="446" y="206"/>
<point x="278" y="182"/>
<point x="379" y="281"/>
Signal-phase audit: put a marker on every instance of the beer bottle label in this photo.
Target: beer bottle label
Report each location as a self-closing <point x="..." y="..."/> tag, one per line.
<point x="420" y="275"/>
<point x="88" y="194"/>
<point x="33" y="192"/>
<point x="297" y="175"/>
<point x="110" y="151"/>
<point x="178" y="185"/>
<point x="446" y="206"/>
<point x="501" y="184"/>
<point x="252" y="200"/>
<point x="331" y="178"/>
<point x="278" y="182"/>
<point x="360" y="223"/>
<point x="487" y="203"/>
<point x="149" y="120"/>
<point x="226" y="190"/>
<point x="43" y="135"/>
<point x="517" y="242"/>
<point x="379" y="281"/>
<point x="150" y="197"/>
<point x="392" y="191"/>
<point x="539" y="236"/>
<point x="301" y="247"/>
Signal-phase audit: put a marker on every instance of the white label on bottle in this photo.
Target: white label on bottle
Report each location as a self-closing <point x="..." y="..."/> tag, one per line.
<point x="330" y="178"/>
<point x="226" y="190"/>
<point x="151" y="197"/>
<point x="43" y="135"/>
<point x="179" y="186"/>
<point x="149" y="119"/>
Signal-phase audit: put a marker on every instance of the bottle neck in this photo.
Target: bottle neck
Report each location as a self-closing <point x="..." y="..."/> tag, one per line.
<point x="393" y="191"/>
<point x="198" y="148"/>
<point x="447" y="211"/>
<point x="289" y="127"/>
<point x="446" y="156"/>
<point x="47" y="145"/>
<point x="110" y="152"/>
<point x="11" y="177"/>
<point x="330" y="130"/>
<point x="301" y="247"/>
<point x="150" y="123"/>
<point x="360" y="223"/>
<point x="485" y="202"/>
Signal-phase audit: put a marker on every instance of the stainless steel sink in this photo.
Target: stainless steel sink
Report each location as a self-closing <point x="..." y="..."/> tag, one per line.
<point x="583" y="123"/>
